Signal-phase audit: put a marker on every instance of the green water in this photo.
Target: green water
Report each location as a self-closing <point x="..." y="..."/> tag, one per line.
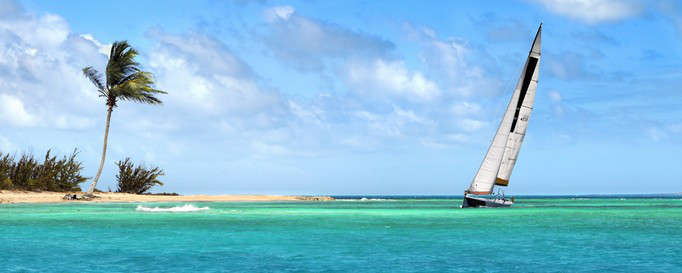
<point x="407" y="235"/>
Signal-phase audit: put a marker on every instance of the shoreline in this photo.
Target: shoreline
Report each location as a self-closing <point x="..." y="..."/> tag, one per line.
<point x="28" y="197"/>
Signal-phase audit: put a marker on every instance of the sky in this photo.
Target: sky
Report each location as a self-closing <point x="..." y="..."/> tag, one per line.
<point x="353" y="97"/>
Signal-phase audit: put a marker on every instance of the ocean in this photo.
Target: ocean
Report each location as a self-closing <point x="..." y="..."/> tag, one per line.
<point x="375" y="234"/>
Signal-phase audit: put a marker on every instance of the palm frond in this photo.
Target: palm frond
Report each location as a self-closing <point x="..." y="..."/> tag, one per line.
<point x="124" y="78"/>
<point x="96" y="78"/>
<point x="121" y="63"/>
<point x="138" y="87"/>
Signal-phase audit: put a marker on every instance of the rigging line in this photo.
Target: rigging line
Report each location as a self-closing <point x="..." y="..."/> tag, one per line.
<point x="504" y="96"/>
<point x="502" y="99"/>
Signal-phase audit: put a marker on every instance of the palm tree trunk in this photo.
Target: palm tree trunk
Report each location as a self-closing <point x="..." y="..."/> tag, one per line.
<point x="104" y="153"/>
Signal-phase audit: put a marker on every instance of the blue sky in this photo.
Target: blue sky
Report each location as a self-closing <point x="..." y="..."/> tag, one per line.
<point x="353" y="97"/>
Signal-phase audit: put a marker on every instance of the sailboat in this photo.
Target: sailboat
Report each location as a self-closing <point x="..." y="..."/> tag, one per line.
<point x="500" y="159"/>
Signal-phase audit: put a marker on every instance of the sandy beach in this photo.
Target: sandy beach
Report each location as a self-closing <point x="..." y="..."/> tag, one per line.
<point x="9" y="197"/>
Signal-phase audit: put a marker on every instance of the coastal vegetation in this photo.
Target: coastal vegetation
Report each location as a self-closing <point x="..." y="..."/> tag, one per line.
<point x="137" y="179"/>
<point x="30" y="174"/>
<point x="123" y="80"/>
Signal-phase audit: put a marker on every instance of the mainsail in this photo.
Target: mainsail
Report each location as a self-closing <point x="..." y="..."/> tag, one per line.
<point x="498" y="163"/>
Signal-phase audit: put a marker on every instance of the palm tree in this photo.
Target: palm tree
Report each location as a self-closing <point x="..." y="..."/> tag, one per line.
<point x="124" y="81"/>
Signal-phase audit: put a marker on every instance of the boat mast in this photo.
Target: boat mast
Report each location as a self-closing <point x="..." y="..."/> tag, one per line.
<point x="522" y="114"/>
<point x="515" y="117"/>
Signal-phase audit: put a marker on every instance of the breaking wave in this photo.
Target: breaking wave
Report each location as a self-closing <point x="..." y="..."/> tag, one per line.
<point x="364" y="199"/>
<point x="183" y="208"/>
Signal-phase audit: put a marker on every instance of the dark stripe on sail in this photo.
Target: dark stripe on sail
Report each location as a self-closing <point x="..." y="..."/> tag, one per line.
<point x="532" y="62"/>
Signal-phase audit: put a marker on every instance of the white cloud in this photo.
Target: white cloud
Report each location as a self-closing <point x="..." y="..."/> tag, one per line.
<point x="397" y="123"/>
<point x="216" y="96"/>
<point x="382" y="125"/>
<point x="305" y="43"/>
<point x="675" y="128"/>
<point x="571" y="65"/>
<point x="69" y="121"/>
<point x="672" y="9"/>
<point x="382" y="78"/>
<point x="464" y="108"/>
<point x="6" y="146"/>
<point x="103" y="48"/>
<point x="459" y="137"/>
<point x="380" y="85"/>
<point x="663" y="131"/>
<point x="656" y="134"/>
<point x="12" y="111"/>
<point x="279" y="13"/>
<point x="46" y="32"/>
<point x="311" y="113"/>
<point x="448" y="63"/>
<point x="371" y="73"/>
<point x="40" y="72"/>
<point x="594" y="11"/>
<point x="470" y="125"/>
<point x="204" y="76"/>
<point x="554" y="95"/>
<point x="213" y="93"/>
<point x="266" y="149"/>
<point x="10" y="9"/>
<point x="218" y="110"/>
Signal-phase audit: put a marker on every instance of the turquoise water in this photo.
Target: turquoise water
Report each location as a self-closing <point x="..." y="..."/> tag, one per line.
<point x="407" y="235"/>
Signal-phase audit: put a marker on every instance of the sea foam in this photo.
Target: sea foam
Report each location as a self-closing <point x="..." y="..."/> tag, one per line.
<point x="364" y="199"/>
<point x="183" y="208"/>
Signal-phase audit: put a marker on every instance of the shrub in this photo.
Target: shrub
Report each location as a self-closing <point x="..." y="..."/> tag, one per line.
<point x="51" y="175"/>
<point x="163" y="193"/>
<point x="6" y="165"/>
<point x="6" y="184"/>
<point x="136" y="179"/>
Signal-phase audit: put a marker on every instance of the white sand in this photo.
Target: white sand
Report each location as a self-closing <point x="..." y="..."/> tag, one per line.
<point x="56" y="197"/>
